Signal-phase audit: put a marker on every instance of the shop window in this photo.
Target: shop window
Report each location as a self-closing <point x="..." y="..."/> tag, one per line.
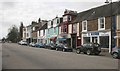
<point x="54" y="29"/>
<point x="104" y="41"/>
<point x="86" y="40"/>
<point x="101" y="23"/>
<point x="94" y="39"/>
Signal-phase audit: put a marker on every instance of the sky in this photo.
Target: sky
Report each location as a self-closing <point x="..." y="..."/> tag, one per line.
<point x="12" y="12"/>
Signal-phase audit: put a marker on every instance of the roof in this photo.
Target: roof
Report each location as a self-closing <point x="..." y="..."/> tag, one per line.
<point x="100" y="11"/>
<point x="43" y="27"/>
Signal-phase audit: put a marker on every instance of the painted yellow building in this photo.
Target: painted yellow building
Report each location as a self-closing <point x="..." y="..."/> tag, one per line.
<point x="118" y="30"/>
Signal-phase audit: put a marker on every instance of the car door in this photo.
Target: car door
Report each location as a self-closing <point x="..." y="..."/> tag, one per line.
<point x="84" y="47"/>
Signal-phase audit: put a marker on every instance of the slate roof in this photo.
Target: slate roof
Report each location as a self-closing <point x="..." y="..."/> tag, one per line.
<point x="100" y="11"/>
<point x="43" y="27"/>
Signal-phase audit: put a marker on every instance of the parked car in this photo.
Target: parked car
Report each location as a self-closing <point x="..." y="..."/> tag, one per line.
<point x="63" y="47"/>
<point x="39" y="45"/>
<point x="32" y="44"/>
<point x="51" y="46"/>
<point x="89" y="48"/>
<point x="23" y="42"/>
<point x="116" y="52"/>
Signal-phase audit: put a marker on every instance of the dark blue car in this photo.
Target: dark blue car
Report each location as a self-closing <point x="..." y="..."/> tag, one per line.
<point x="63" y="47"/>
<point x="39" y="45"/>
<point x="116" y="52"/>
<point x="51" y="46"/>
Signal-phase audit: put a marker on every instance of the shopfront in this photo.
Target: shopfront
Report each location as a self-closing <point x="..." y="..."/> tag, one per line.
<point x="102" y="38"/>
<point x="65" y="38"/>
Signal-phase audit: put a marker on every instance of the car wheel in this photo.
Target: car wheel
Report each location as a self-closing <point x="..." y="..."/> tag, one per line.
<point x="63" y="50"/>
<point x="78" y="51"/>
<point x="88" y="52"/>
<point x="115" y="55"/>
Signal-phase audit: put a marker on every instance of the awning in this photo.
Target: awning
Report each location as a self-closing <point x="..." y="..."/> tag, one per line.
<point x="61" y="39"/>
<point x="53" y="38"/>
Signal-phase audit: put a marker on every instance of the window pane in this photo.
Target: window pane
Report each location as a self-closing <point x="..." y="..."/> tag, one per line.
<point x="102" y="22"/>
<point x="84" y="25"/>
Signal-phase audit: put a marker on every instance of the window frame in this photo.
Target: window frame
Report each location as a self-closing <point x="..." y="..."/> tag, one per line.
<point x="99" y="23"/>
<point x="83" y="26"/>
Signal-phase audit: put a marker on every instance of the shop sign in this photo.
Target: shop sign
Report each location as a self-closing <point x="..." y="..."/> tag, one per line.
<point x="85" y="35"/>
<point x="95" y="33"/>
<point x="104" y="34"/>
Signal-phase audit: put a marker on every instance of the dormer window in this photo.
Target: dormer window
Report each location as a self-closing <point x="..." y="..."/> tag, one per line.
<point x="69" y="18"/>
<point x="33" y="28"/>
<point x="65" y="18"/>
<point x="57" y="21"/>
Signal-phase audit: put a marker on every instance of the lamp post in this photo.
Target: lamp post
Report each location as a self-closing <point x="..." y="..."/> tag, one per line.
<point x="110" y="2"/>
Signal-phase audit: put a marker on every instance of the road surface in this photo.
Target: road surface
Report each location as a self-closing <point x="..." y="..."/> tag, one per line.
<point x="16" y="56"/>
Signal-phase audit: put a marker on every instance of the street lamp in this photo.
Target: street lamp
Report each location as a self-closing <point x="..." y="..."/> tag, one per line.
<point x="110" y="2"/>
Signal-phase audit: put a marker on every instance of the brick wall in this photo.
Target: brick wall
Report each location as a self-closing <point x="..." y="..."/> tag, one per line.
<point x="107" y="22"/>
<point x="92" y="25"/>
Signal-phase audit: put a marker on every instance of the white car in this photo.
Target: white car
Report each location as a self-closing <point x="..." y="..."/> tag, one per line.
<point x="32" y="44"/>
<point x="22" y="42"/>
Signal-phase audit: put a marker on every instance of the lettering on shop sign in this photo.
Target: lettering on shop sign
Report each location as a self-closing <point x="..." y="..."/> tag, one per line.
<point x="95" y="33"/>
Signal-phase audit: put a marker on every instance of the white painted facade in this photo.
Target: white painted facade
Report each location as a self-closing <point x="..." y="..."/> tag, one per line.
<point x="28" y="32"/>
<point x="78" y="29"/>
<point x="59" y="29"/>
<point x="55" y="22"/>
<point x="70" y="28"/>
<point x="24" y="33"/>
<point x="49" y="24"/>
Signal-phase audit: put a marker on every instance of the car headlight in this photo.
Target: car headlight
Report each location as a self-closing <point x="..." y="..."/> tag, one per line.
<point x="66" y="47"/>
<point x="52" y="46"/>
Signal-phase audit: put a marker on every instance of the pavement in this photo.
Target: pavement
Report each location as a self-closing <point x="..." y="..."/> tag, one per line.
<point x="104" y="52"/>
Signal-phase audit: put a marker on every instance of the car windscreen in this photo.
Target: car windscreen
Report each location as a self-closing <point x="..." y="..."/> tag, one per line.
<point x="96" y="45"/>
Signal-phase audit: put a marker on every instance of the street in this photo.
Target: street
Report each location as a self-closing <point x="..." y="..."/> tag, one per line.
<point x="16" y="56"/>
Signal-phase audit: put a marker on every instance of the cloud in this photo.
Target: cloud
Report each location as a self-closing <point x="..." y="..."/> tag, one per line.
<point x="15" y="11"/>
<point x="53" y="0"/>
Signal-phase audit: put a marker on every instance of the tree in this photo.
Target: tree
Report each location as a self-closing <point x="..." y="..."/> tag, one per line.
<point x="21" y="30"/>
<point x="13" y="34"/>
